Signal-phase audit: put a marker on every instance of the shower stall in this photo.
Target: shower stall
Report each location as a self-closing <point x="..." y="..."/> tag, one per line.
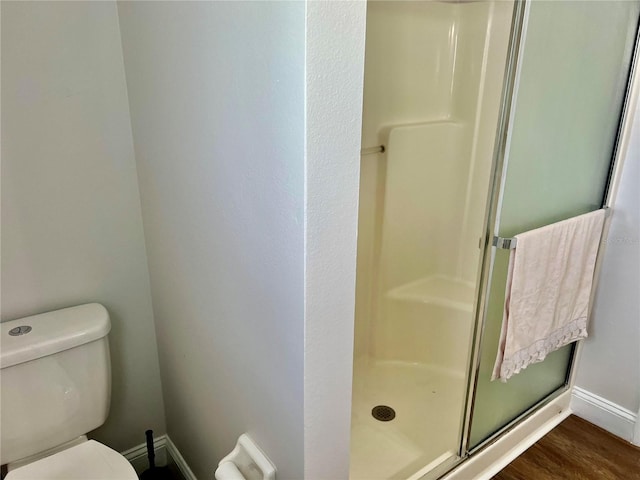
<point x="480" y="119"/>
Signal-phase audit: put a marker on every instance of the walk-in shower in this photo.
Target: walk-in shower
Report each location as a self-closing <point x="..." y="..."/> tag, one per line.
<point x="454" y="93"/>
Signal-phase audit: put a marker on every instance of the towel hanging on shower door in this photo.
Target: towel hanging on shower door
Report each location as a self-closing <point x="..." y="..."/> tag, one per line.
<point x="548" y="291"/>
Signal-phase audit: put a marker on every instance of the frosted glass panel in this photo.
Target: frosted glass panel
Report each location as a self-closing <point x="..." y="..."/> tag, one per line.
<point x="574" y="69"/>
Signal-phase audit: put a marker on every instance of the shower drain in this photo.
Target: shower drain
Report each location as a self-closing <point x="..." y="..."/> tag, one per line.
<point x="383" y="413"/>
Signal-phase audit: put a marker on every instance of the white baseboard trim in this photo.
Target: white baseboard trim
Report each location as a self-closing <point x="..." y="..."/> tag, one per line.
<point x="166" y="453"/>
<point x="137" y="456"/>
<point x="605" y="414"/>
<point x="636" y="431"/>
<point x="486" y="463"/>
<point x="177" y="457"/>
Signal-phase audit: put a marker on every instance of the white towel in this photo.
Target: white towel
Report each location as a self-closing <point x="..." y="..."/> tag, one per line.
<point x="548" y="291"/>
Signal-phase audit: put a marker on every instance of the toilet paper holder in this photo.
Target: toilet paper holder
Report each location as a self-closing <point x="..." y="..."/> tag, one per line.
<point x="245" y="462"/>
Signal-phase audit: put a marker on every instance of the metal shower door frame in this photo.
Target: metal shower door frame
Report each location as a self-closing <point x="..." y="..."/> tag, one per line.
<point x="500" y="161"/>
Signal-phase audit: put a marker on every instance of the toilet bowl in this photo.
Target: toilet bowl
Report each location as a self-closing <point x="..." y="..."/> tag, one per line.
<point x="55" y="386"/>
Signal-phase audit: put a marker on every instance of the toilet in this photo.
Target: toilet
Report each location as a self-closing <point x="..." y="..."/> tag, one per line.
<point x="55" y="385"/>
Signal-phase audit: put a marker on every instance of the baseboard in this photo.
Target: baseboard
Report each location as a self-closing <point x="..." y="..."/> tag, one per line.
<point x="179" y="460"/>
<point x="166" y="454"/>
<point x="605" y="414"/>
<point x="137" y="455"/>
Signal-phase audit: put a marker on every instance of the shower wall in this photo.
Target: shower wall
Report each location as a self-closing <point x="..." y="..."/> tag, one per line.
<point x="433" y="80"/>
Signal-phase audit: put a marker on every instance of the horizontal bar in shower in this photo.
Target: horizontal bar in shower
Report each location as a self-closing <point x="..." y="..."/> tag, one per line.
<point x="372" y="150"/>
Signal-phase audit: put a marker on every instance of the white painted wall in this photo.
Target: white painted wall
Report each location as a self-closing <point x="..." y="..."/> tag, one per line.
<point x="335" y="34"/>
<point x="71" y="221"/>
<point x="217" y="105"/>
<point x="610" y="360"/>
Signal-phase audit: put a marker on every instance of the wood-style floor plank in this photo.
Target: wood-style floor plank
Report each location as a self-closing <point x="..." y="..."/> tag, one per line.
<point x="576" y="450"/>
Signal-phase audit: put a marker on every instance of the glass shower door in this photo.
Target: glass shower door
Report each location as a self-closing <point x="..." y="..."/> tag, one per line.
<point x="572" y="75"/>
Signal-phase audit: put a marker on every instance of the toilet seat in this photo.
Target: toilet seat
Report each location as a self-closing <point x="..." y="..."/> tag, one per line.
<point x="88" y="460"/>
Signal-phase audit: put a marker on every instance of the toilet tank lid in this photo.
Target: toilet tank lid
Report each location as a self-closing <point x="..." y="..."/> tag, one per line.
<point x="51" y="332"/>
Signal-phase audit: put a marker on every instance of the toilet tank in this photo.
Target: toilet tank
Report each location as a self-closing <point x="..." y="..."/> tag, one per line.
<point x="55" y="379"/>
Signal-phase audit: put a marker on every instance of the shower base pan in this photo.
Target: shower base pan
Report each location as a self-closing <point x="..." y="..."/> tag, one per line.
<point x="427" y="402"/>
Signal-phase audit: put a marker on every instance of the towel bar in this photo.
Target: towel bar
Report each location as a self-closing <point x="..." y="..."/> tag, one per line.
<point x="510" y="243"/>
<point x="504" y="243"/>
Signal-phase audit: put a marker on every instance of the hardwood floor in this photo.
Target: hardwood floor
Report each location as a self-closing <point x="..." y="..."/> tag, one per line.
<point x="576" y="450"/>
